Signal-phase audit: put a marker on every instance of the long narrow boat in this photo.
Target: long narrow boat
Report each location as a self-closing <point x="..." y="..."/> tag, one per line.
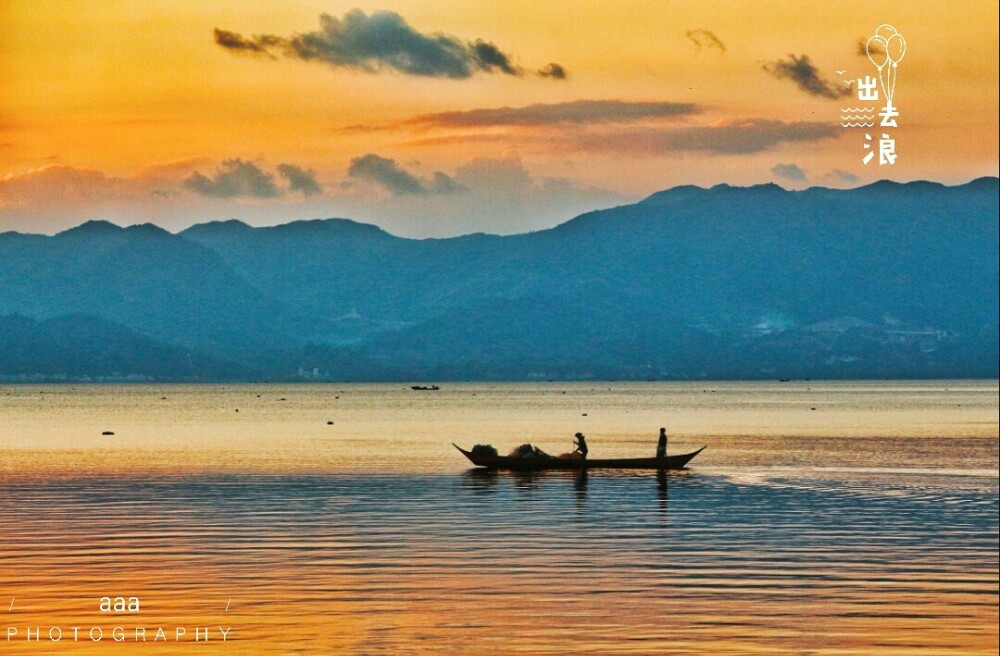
<point x="535" y="464"/>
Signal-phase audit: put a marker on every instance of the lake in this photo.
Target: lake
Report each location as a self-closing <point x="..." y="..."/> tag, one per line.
<point x="822" y="518"/>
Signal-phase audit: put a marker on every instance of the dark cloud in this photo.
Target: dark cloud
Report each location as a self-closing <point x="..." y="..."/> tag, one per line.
<point x="235" y="179"/>
<point x="732" y="138"/>
<point x="234" y="42"/>
<point x="554" y="71"/>
<point x="574" y="112"/>
<point x="839" y="176"/>
<point x="705" y="39"/>
<point x="735" y="138"/>
<point x="801" y="71"/>
<point x="490" y="58"/>
<point x="385" y="172"/>
<point x="442" y="183"/>
<point x="388" y="174"/>
<point x="789" y="171"/>
<point x="299" y="179"/>
<point x="372" y="43"/>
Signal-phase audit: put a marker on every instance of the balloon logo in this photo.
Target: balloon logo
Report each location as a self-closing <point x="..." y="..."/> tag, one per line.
<point x="895" y="48"/>
<point x="877" y="51"/>
<point x="885" y="31"/>
<point x="887" y="47"/>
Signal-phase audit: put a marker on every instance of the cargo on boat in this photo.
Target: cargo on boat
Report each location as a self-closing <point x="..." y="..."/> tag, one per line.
<point x="541" y="461"/>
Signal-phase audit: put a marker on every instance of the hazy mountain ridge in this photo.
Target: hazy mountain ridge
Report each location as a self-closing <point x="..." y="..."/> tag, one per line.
<point x="85" y="347"/>
<point x="689" y="282"/>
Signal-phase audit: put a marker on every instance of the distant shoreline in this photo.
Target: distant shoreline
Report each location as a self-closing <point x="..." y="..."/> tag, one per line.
<point x="444" y="381"/>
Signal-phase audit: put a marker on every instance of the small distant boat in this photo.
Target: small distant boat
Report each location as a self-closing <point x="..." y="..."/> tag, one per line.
<point x="425" y="388"/>
<point x="491" y="461"/>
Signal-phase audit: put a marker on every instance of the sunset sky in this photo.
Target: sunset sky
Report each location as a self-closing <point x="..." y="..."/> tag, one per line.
<point x="454" y="116"/>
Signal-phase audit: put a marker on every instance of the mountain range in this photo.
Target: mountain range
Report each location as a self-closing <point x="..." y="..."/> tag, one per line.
<point x="887" y="280"/>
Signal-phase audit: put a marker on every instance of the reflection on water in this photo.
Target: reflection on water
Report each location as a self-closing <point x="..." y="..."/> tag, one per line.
<point x="481" y="562"/>
<point x="662" y="487"/>
<point x="819" y="553"/>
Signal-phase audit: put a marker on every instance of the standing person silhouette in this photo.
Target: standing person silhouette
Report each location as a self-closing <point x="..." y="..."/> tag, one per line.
<point x="661" y="445"/>
<point x="581" y="445"/>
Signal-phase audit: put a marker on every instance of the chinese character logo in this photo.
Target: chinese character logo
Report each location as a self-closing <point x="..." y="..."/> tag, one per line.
<point x="886" y="150"/>
<point x="885" y="50"/>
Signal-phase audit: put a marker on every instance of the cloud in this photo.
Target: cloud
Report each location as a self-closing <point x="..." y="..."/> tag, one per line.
<point x="789" y="171"/>
<point x="299" y="179"/>
<point x="705" y="39"/>
<point x="480" y="138"/>
<point x="863" y="47"/>
<point x="541" y="114"/>
<point x="174" y="171"/>
<point x="388" y="174"/>
<point x="805" y="75"/>
<point x="498" y="195"/>
<point x="501" y="176"/>
<point x="839" y="176"/>
<point x="445" y="184"/>
<point x="385" y="172"/>
<point x="258" y="45"/>
<point x="59" y="196"/>
<point x="57" y="184"/>
<point x="235" y="179"/>
<point x="730" y="138"/>
<point x="492" y="195"/>
<point x="72" y="187"/>
<point x="490" y="58"/>
<point x="554" y="71"/>
<point x="739" y="137"/>
<point x="376" y="42"/>
<point x="164" y="193"/>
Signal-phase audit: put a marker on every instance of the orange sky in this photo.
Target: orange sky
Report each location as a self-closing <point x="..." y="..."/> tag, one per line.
<point x="106" y="109"/>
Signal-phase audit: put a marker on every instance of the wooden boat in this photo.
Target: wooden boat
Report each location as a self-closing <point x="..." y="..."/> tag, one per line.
<point x="535" y="464"/>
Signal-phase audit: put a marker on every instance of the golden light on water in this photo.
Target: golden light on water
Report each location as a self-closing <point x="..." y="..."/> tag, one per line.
<point x="269" y="429"/>
<point x="779" y="539"/>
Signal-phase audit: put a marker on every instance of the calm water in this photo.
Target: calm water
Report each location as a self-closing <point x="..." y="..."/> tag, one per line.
<point x="822" y="519"/>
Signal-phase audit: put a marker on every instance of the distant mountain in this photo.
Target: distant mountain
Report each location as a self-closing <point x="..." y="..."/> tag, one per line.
<point x="146" y="279"/>
<point x="882" y="281"/>
<point x="81" y="347"/>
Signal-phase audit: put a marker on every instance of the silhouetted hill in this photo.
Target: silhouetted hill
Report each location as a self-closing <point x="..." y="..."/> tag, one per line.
<point x="881" y="281"/>
<point x="81" y="346"/>
<point x="142" y="277"/>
